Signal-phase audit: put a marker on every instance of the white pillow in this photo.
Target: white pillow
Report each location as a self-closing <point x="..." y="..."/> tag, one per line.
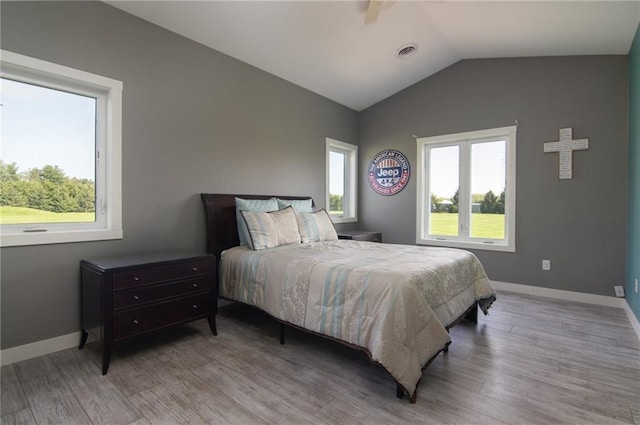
<point x="254" y="205"/>
<point x="316" y="227"/>
<point x="271" y="229"/>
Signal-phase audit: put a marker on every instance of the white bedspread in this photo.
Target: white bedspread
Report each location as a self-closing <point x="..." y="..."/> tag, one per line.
<point x="393" y="300"/>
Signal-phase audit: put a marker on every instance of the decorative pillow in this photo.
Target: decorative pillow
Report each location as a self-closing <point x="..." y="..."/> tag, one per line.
<point x="271" y="229"/>
<point x="316" y="226"/>
<point x="299" y="205"/>
<point x="254" y="205"/>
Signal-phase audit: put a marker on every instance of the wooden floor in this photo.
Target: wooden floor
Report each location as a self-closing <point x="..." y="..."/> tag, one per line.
<point x="531" y="361"/>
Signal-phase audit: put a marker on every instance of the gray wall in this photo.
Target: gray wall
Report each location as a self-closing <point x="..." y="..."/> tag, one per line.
<point x="579" y="224"/>
<point x="194" y="120"/>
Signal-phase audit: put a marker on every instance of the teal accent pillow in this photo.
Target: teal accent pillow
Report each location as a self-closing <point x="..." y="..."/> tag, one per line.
<point x="253" y="205"/>
<point x="298" y="205"/>
<point x="315" y="227"/>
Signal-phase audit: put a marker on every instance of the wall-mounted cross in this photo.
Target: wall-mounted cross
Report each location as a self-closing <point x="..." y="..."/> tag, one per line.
<point x="565" y="146"/>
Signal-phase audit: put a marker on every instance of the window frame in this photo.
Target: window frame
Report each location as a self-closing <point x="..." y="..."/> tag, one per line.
<point x="350" y="200"/>
<point x="108" y="155"/>
<point x="423" y="208"/>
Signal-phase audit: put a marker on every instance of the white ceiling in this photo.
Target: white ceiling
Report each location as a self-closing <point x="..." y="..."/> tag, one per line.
<point x="324" y="46"/>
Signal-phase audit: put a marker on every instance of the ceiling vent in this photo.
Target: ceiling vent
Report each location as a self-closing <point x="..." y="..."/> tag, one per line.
<point x="407" y="50"/>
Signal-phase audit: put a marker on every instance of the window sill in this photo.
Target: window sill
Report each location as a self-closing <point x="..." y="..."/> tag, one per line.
<point x="467" y="245"/>
<point x="49" y="237"/>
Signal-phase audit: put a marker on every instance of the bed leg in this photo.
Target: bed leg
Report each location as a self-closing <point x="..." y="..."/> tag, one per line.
<point x="281" y="333"/>
<point x="472" y="315"/>
<point x="446" y="347"/>
<point x="399" y="391"/>
<point x="400" y="394"/>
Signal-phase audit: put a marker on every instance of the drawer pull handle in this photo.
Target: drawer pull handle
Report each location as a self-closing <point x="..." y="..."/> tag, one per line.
<point x="136" y="278"/>
<point x="135" y="321"/>
<point x="135" y="297"/>
<point x="195" y="285"/>
<point x="195" y="269"/>
<point x="195" y="306"/>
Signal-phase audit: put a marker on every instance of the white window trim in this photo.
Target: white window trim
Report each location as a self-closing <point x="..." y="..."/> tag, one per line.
<point x="109" y="202"/>
<point x="350" y="214"/>
<point x="423" y="199"/>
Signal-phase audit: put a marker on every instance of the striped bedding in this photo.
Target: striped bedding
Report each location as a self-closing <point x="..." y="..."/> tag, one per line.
<point x="393" y="300"/>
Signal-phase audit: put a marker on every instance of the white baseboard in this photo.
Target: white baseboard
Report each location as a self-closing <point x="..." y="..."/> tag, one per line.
<point x="51" y="345"/>
<point x="571" y="296"/>
<point x="635" y="324"/>
<point x="560" y="294"/>
<point x="38" y="348"/>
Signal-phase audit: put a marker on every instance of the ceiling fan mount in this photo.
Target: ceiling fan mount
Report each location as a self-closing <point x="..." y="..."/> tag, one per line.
<point x="374" y="8"/>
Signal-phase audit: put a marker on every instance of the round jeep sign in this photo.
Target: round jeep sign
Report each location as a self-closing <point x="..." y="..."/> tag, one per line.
<point x="389" y="172"/>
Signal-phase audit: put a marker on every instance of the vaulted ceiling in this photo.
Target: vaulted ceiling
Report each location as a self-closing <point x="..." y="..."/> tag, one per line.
<point x="326" y="47"/>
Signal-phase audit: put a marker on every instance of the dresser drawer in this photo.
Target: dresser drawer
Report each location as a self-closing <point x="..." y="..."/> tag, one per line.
<point x="141" y="295"/>
<point x="140" y="320"/>
<point x="148" y="275"/>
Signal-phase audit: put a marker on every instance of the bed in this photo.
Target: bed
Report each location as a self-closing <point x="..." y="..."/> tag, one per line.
<point x="395" y="302"/>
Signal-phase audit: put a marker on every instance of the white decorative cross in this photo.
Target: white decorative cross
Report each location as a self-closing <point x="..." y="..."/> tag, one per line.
<point x="565" y="146"/>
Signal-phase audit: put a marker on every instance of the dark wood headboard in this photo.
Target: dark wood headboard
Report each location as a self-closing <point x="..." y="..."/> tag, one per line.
<point x="220" y="211"/>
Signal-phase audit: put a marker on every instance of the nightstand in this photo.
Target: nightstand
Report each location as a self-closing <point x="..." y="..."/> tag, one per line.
<point x="128" y="296"/>
<point x="360" y="235"/>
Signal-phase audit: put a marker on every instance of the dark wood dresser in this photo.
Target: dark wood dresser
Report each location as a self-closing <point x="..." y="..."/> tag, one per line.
<point x="360" y="235"/>
<point x="128" y="296"/>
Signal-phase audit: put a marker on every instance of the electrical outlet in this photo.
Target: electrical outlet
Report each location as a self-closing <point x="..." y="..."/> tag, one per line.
<point x="636" y="285"/>
<point x="546" y="264"/>
<point x="619" y="291"/>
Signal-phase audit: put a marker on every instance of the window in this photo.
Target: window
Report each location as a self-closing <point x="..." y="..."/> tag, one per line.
<point x="342" y="172"/>
<point x="60" y="164"/>
<point x="466" y="190"/>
